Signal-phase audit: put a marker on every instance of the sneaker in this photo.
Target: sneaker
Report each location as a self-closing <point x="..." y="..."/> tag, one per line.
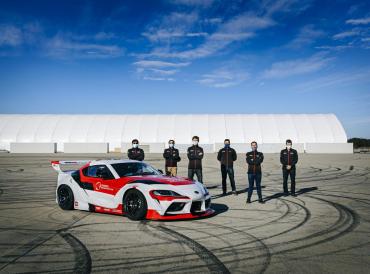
<point x="235" y="193"/>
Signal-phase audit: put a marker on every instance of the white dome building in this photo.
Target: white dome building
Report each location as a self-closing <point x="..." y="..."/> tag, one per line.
<point x="103" y="133"/>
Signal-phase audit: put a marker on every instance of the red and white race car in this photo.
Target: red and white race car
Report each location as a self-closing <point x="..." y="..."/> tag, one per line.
<point x="130" y="188"/>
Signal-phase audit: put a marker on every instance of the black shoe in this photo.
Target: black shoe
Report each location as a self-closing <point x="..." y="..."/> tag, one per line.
<point x="286" y="194"/>
<point x="248" y="201"/>
<point x="294" y="195"/>
<point x="235" y="193"/>
<point x="261" y="201"/>
<point x="223" y="194"/>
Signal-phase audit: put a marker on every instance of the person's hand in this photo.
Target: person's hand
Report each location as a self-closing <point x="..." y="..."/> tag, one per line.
<point x="288" y="167"/>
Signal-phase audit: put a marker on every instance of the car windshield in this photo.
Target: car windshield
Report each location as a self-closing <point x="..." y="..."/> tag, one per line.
<point x="134" y="169"/>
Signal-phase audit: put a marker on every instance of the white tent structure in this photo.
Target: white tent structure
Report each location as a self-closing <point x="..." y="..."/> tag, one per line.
<point x="103" y="133"/>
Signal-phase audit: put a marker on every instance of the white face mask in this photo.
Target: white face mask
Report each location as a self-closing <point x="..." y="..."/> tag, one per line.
<point x="170" y="145"/>
<point x="195" y="143"/>
<point x="135" y="145"/>
<point x="289" y="147"/>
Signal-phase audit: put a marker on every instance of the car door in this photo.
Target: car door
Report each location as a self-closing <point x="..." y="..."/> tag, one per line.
<point x="102" y="181"/>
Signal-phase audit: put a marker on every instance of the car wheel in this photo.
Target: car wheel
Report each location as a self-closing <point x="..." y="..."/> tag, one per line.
<point x="65" y="197"/>
<point x="134" y="204"/>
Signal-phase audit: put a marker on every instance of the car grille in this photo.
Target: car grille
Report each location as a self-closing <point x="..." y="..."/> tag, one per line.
<point x="208" y="203"/>
<point x="196" y="206"/>
<point x="175" y="207"/>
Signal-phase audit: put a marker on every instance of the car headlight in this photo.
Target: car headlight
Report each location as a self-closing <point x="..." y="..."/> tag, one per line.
<point x="163" y="192"/>
<point x="166" y="195"/>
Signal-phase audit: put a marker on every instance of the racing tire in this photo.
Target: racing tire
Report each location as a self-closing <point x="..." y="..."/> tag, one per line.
<point x="65" y="197"/>
<point x="135" y="205"/>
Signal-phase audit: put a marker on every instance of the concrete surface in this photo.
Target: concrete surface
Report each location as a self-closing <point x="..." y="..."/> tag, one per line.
<point x="325" y="229"/>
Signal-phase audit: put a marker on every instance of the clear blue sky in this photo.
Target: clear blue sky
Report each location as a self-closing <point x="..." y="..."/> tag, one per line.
<point x="187" y="56"/>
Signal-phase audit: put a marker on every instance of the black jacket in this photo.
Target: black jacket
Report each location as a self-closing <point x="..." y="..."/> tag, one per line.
<point x="136" y="154"/>
<point x="172" y="157"/>
<point x="195" y="156"/>
<point x="254" y="160"/>
<point x="227" y="156"/>
<point x="288" y="158"/>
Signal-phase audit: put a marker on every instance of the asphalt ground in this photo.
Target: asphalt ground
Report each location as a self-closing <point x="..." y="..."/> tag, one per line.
<point x="325" y="229"/>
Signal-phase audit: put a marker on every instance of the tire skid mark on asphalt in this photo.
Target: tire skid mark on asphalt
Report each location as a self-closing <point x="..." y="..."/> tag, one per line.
<point x="358" y="200"/>
<point x="26" y="221"/>
<point x="129" y="265"/>
<point x="143" y="226"/>
<point x="264" y="247"/>
<point x="212" y="262"/>
<point x="25" y="249"/>
<point x="233" y="251"/>
<point x="347" y="221"/>
<point x="82" y="255"/>
<point x="305" y="220"/>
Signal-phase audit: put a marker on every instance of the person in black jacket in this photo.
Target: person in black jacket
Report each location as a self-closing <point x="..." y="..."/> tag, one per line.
<point x="254" y="160"/>
<point x="288" y="159"/>
<point x="227" y="156"/>
<point x="195" y="156"/>
<point x="135" y="153"/>
<point x="171" y="154"/>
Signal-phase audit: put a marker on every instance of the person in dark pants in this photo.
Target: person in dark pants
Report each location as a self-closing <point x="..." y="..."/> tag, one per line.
<point x="254" y="160"/>
<point x="227" y="156"/>
<point x="195" y="156"/>
<point x="172" y="156"/>
<point x="288" y="159"/>
<point x="135" y="153"/>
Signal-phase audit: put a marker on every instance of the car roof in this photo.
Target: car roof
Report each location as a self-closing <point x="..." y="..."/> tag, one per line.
<point x="112" y="161"/>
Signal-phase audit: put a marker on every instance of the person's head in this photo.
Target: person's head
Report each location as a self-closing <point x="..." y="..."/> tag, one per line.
<point x="227" y="143"/>
<point x="254" y="145"/>
<point x="195" y="140"/>
<point x="171" y="143"/>
<point x="288" y="144"/>
<point x="135" y="143"/>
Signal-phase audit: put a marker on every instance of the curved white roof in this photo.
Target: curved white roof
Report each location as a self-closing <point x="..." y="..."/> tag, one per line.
<point x="211" y="128"/>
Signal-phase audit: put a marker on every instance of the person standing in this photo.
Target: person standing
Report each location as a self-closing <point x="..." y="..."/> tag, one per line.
<point x="171" y="154"/>
<point x="195" y="156"/>
<point x="289" y="159"/>
<point x="254" y="159"/>
<point x="227" y="156"/>
<point x="135" y="153"/>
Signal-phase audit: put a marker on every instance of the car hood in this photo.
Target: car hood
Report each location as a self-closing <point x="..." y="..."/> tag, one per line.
<point x="161" y="179"/>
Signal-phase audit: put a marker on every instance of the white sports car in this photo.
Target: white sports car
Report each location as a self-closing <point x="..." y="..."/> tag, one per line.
<point x="130" y="188"/>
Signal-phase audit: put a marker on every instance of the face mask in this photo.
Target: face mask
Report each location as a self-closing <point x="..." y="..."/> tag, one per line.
<point x="227" y="145"/>
<point x="135" y="145"/>
<point x="289" y="147"/>
<point x="254" y="148"/>
<point x="170" y="145"/>
<point x="195" y="143"/>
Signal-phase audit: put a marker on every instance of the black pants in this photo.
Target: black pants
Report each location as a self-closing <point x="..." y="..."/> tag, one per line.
<point x="224" y="172"/>
<point x="197" y="172"/>
<point x="286" y="174"/>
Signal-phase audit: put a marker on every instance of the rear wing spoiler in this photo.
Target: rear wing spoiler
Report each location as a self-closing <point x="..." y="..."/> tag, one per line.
<point x="56" y="164"/>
